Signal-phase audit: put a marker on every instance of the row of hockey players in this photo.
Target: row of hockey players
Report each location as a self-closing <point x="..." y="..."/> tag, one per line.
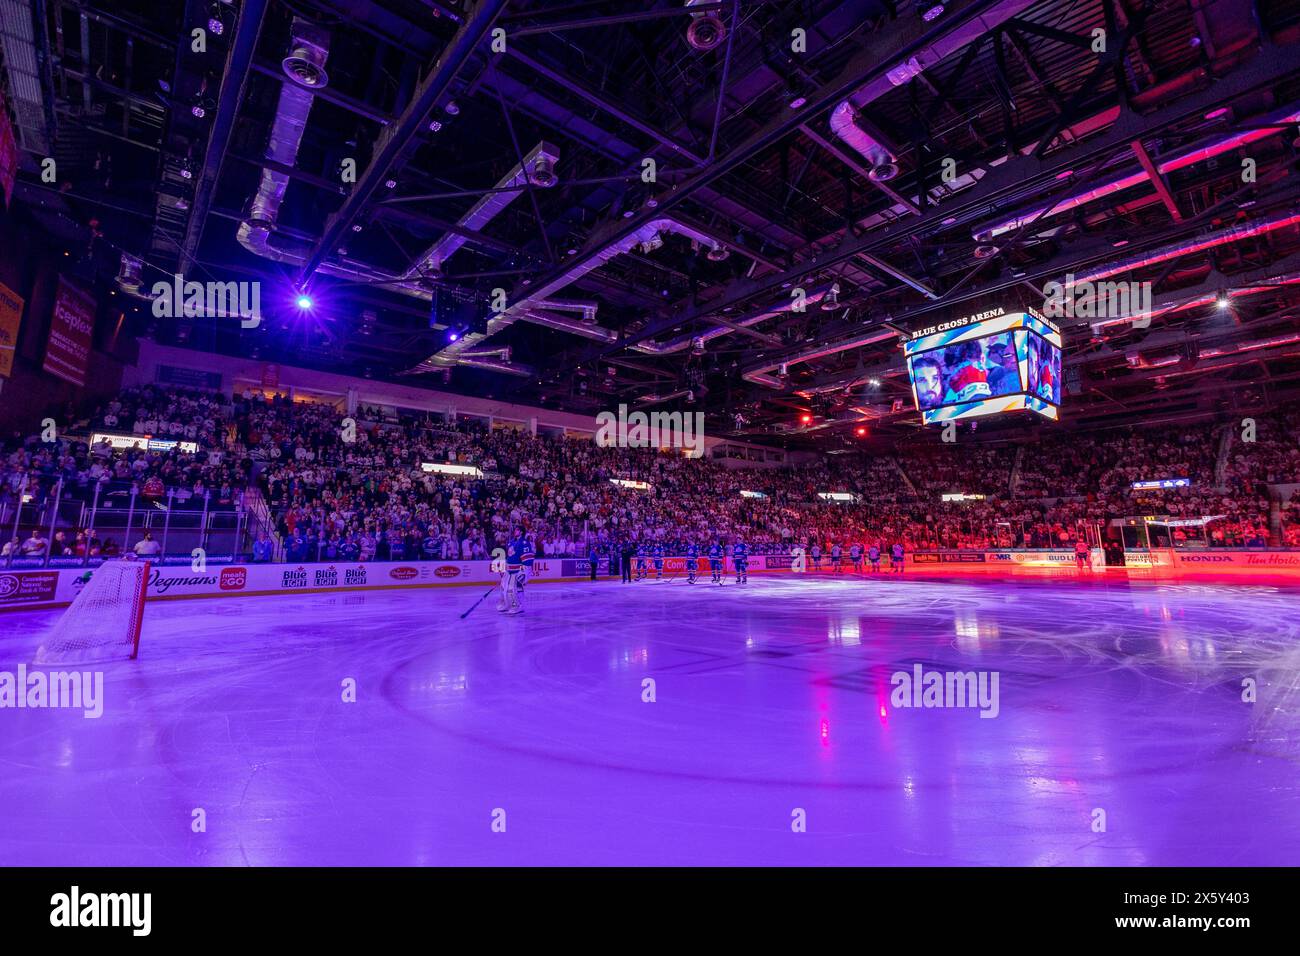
<point x="517" y="563"/>
<point x="648" y="556"/>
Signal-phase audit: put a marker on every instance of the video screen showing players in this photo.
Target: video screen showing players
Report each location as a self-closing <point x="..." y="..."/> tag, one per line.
<point x="968" y="371"/>
<point x="1044" y="363"/>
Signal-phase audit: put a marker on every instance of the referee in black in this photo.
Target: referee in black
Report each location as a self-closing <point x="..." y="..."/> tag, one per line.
<point x="628" y="552"/>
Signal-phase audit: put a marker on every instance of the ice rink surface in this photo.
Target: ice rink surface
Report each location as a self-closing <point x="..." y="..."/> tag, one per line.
<point x="1118" y="698"/>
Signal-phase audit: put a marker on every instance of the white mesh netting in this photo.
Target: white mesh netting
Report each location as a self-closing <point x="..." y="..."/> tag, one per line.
<point x="103" y="621"/>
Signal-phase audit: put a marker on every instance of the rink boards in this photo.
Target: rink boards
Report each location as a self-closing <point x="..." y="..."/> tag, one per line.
<point x="53" y="587"/>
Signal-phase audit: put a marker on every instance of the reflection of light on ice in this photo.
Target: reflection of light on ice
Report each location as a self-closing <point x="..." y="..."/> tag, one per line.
<point x="444" y="683"/>
<point x="630" y="656"/>
<point x="970" y="630"/>
<point x="846" y="631"/>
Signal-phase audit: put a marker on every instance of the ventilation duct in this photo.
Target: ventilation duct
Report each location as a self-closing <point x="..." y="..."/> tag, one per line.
<point x="761" y="376"/>
<point x="498" y="365"/>
<point x="689" y="339"/>
<point x="950" y="38"/>
<point x="882" y="165"/>
<point x="538" y="167"/>
<point x="706" y="30"/>
<point x="305" y="62"/>
<point x="529" y="308"/>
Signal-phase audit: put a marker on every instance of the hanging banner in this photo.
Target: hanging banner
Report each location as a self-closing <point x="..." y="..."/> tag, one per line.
<point x="67" y="354"/>
<point x="11" y="316"/>
<point x="8" y="154"/>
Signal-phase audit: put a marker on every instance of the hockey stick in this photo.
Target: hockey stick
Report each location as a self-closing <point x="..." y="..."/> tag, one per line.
<point x="478" y="602"/>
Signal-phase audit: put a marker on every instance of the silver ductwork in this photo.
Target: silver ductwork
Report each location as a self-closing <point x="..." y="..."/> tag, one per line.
<point x="882" y="165"/>
<point x="562" y="323"/>
<point x="304" y="67"/>
<point x="496" y="365"/>
<point x="760" y="376"/>
<point x="689" y="339"/>
<point x="958" y="34"/>
<point x="530" y="304"/>
<point x="538" y="168"/>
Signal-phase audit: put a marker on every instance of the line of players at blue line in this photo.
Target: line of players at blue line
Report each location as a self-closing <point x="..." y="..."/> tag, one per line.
<point x="647" y="556"/>
<point x="638" y="561"/>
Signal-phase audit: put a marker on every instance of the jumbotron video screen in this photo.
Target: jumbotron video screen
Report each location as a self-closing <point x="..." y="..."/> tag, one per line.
<point x="1007" y="362"/>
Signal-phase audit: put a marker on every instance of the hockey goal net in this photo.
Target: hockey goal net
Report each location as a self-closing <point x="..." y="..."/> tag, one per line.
<point x="103" y="621"/>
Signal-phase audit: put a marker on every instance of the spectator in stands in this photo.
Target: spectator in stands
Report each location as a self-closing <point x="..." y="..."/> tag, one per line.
<point x="263" y="548"/>
<point x="36" y="545"/>
<point x="147" y="547"/>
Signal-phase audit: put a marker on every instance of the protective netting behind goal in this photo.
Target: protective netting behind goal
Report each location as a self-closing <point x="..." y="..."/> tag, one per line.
<point x="103" y="621"/>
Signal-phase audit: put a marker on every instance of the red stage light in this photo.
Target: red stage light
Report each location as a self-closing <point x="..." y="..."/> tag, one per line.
<point x="805" y="418"/>
<point x="860" y="431"/>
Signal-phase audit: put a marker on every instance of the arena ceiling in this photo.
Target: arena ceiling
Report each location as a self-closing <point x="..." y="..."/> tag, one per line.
<point x="910" y="164"/>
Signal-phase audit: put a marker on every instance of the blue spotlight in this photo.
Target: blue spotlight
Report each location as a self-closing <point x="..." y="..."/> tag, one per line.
<point x="304" y="301"/>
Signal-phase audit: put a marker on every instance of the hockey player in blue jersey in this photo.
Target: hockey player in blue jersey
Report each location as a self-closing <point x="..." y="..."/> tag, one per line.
<point x="815" y="552"/>
<point x="855" y="555"/>
<point x="692" y="561"/>
<point x="740" y="558"/>
<point x="873" y="555"/>
<point x="837" y="558"/>
<point x="716" y="557"/>
<point x="519" y="564"/>
<point x="896" y="558"/>
<point x="642" y="561"/>
<point x="657" y="554"/>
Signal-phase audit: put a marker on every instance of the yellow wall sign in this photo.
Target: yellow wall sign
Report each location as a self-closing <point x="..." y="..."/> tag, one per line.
<point x="11" y="316"/>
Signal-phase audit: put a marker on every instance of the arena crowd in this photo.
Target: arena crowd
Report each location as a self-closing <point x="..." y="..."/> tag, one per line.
<point x="359" y="492"/>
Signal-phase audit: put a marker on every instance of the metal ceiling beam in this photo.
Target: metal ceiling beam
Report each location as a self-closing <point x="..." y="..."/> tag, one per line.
<point x="239" y="59"/>
<point x="604" y="105"/>
<point x="1270" y="67"/>
<point x="1158" y="181"/>
<point x="397" y="136"/>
